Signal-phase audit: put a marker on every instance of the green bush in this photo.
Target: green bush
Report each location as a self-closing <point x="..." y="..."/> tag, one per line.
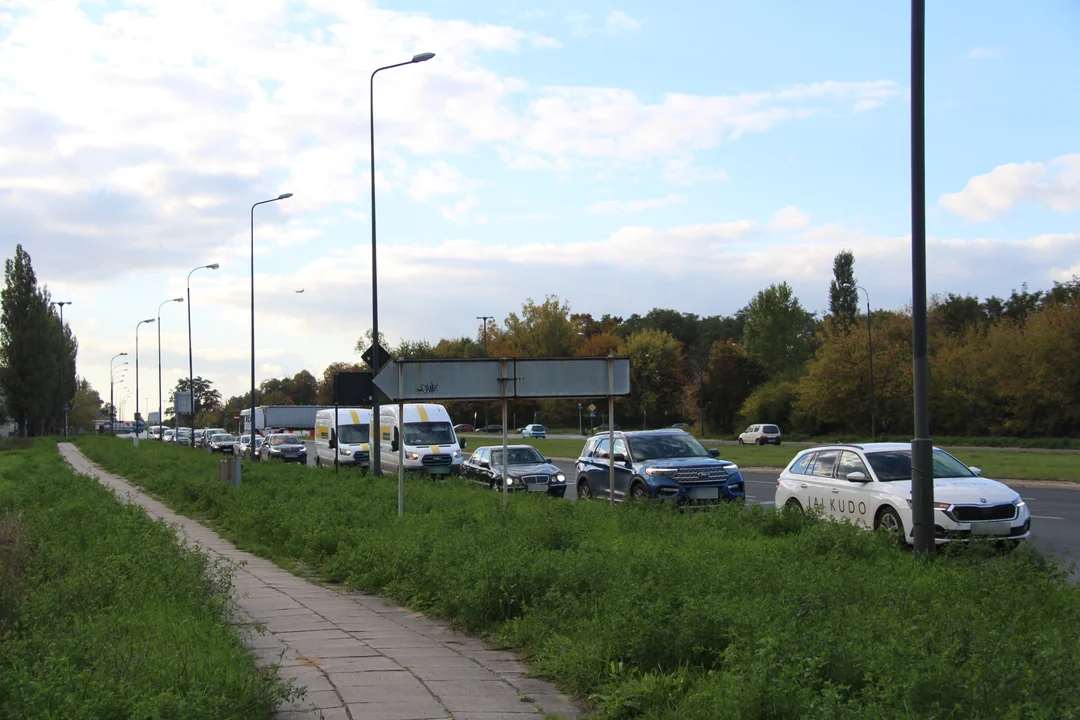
<point x="744" y="612"/>
<point x="112" y="617"/>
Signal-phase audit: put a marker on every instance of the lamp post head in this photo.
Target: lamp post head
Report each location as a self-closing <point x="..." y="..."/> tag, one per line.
<point x="179" y="300"/>
<point x="284" y="196"/>
<point x="124" y="354"/>
<point x="422" y="57"/>
<point x="147" y="321"/>
<point x="212" y="266"/>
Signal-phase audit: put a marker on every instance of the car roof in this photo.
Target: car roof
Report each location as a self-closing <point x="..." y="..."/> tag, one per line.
<point x="508" y="447"/>
<point x="638" y="433"/>
<point x="870" y="447"/>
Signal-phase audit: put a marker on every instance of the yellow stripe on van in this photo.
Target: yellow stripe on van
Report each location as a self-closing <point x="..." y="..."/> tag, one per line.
<point x="365" y="447"/>
<point x="355" y="417"/>
<point x="423" y="413"/>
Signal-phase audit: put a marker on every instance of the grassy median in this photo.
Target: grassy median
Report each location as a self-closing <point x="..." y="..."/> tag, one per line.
<point x="1018" y="464"/>
<point x="739" y="613"/>
<point x="104" y="615"/>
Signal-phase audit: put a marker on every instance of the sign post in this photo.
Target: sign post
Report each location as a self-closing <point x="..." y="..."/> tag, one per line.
<point x="502" y="379"/>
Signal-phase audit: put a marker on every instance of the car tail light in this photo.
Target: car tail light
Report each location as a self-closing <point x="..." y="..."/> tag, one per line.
<point x="777" y="481"/>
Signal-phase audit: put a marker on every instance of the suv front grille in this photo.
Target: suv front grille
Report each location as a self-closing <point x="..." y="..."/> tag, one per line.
<point x="975" y="513"/>
<point x="535" y="479"/>
<point x="687" y="476"/>
<point x="437" y="460"/>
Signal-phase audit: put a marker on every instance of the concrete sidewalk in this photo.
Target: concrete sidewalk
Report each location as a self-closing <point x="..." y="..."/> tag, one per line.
<point x="359" y="656"/>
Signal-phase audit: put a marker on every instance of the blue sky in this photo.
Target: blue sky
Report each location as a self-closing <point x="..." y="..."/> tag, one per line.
<point x="622" y="156"/>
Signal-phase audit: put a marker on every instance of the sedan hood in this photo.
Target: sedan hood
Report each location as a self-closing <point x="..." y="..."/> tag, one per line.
<point x="531" y="469"/>
<point x="962" y="491"/>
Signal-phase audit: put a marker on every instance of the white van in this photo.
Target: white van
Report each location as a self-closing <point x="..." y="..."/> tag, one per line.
<point x="350" y="443"/>
<point x="431" y="445"/>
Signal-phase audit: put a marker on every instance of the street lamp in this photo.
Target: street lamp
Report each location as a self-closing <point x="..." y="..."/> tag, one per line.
<point x="376" y="361"/>
<point x="485" y="318"/>
<point x="191" y="365"/>
<point x="160" y="414"/>
<point x="141" y="322"/>
<point x="870" y="350"/>
<point x="63" y="362"/>
<point x="282" y="196"/>
<point x="112" y="377"/>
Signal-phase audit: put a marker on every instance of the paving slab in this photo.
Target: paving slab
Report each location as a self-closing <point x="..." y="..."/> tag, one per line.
<point x="359" y="656"/>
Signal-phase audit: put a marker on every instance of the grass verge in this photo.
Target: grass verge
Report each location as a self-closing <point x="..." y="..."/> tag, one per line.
<point x="740" y="613"/>
<point x="104" y="615"/>
<point x="1019" y="464"/>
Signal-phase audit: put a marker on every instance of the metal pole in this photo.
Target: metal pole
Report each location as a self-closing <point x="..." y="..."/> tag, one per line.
<point x="611" y="429"/>
<point x="922" y="478"/>
<point x="870" y="351"/>
<point x="487" y="406"/>
<point x="136" y="421"/>
<point x="190" y="364"/>
<point x="401" y="443"/>
<point x="63" y="365"/>
<point x="505" y="459"/>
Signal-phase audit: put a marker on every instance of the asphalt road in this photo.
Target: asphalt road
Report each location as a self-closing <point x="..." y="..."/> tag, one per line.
<point x="1055" y="513"/>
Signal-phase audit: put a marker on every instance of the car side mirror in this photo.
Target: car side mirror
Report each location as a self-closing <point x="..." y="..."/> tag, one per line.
<point x="977" y="471"/>
<point x="485" y="464"/>
<point x="464" y="442"/>
<point x="393" y="446"/>
<point x="715" y="452"/>
<point x="619" y="457"/>
<point x="332" y="443"/>
<point x="856" y="477"/>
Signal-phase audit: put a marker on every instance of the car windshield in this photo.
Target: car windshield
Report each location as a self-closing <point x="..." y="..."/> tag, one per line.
<point x="429" y="433"/>
<point x="517" y="456"/>
<point x="284" y="440"/>
<point x="895" y="465"/>
<point x="220" y="438"/>
<point x="653" y="447"/>
<point x="353" y="434"/>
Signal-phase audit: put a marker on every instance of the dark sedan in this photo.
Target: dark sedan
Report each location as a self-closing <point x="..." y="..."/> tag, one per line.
<point x="221" y="443"/>
<point x="527" y="470"/>
<point x="287" y="448"/>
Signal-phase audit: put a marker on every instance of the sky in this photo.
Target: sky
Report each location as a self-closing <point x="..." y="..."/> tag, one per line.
<point x="621" y="156"/>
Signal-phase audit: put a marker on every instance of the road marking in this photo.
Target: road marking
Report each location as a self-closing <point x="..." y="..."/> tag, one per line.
<point x="1047" y="517"/>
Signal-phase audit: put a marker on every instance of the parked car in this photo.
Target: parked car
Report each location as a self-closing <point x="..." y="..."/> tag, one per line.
<point x="669" y="465"/>
<point x="527" y="470"/>
<point x="682" y="426"/>
<point x="870" y="485"/>
<point x="760" y="435"/>
<point x="284" y="447"/>
<point x="534" y="430"/>
<point x="490" y="429"/>
<point x="203" y="435"/>
<point x="463" y="427"/>
<point x="604" y="428"/>
<point x="167" y="435"/>
<point x="243" y="446"/>
<point x="220" y="443"/>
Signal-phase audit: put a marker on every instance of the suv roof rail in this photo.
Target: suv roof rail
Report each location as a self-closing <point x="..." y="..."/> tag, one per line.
<point x="853" y="445"/>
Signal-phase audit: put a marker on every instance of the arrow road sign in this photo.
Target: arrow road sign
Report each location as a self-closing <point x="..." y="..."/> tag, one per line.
<point x="494" y="379"/>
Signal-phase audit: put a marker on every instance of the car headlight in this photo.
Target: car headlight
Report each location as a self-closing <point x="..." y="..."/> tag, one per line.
<point x="560" y="478"/>
<point x="275" y="450"/>
<point x="345" y="452"/>
<point x="303" y="450"/>
<point x="1019" y="502"/>
<point x="457" y="453"/>
<point x="412" y="456"/>
<point x="732" y="469"/>
<point x="666" y="472"/>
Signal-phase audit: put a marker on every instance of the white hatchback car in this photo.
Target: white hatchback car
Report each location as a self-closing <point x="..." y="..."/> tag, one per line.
<point x="870" y="485"/>
<point x="761" y="435"/>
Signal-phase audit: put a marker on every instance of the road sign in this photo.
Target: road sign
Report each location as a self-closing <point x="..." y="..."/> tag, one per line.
<point x="384" y="356"/>
<point x="182" y="403"/>
<point x="494" y="379"/>
<point x="592" y="408"/>
<point x="592" y="413"/>
<point x="353" y="388"/>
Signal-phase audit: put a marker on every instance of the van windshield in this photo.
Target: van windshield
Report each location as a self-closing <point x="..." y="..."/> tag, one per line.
<point x="429" y="433"/>
<point x="353" y="434"/>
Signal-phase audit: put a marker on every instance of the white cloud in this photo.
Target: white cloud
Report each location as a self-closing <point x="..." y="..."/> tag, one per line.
<point x="864" y="105"/>
<point x="789" y="218"/>
<point x="981" y="53"/>
<point x="1055" y="185"/>
<point x="682" y="171"/>
<point x="619" y="22"/>
<point x="627" y="207"/>
<point x="438" y="179"/>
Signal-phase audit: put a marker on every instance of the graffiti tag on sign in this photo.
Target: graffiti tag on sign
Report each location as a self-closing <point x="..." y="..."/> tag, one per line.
<point x="427" y="388"/>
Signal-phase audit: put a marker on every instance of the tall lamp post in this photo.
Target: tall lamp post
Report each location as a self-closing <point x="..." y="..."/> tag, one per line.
<point x="282" y="196"/>
<point x="376" y="361"/>
<point x="141" y="322"/>
<point x="190" y="358"/>
<point x="63" y="362"/>
<point x="160" y="414"/>
<point x="112" y="379"/>
<point x="484" y="319"/>
<point x="870" y="350"/>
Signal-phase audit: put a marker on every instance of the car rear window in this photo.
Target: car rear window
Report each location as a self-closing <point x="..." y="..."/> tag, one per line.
<point x="770" y="429"/>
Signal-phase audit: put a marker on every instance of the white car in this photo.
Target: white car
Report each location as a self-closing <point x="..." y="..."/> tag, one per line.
<point x="534" y="430"/>
<point x="761" y="435"/>
<point x="870" y="485"/>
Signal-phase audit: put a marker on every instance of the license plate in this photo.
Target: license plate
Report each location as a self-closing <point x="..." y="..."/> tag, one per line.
<point x="536" y="488"/>
<point x="439" y="470"/>
<point x="990" y="528"/>
<point x="709" y="493"/>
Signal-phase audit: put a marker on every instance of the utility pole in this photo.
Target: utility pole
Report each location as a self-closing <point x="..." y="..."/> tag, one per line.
<point x="484" y="319"/>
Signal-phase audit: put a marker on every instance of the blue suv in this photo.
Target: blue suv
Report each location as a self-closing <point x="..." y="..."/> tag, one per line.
<point x="661" y="464"/>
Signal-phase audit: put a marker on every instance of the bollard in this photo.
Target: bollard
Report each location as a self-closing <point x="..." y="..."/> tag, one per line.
<point x="230" y="471"/>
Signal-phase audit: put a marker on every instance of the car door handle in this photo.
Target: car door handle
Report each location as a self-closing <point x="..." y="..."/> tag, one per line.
<point x="802" y="485"/>
<point x="836" y="490"/>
